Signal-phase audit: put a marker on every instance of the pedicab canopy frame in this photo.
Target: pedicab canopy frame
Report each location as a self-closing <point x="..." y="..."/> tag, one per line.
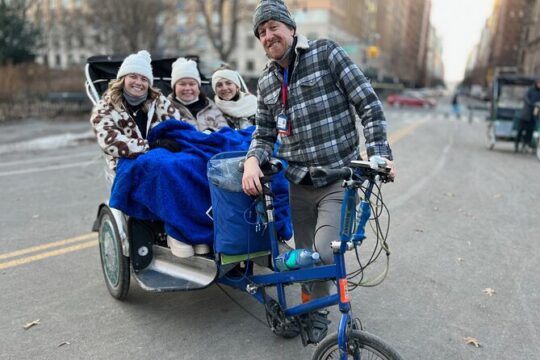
<point x="100" y="69"/>
<point x="506" y="105"/>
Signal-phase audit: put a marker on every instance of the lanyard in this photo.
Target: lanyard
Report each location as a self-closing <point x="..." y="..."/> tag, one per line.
<point x="284" y="88"/>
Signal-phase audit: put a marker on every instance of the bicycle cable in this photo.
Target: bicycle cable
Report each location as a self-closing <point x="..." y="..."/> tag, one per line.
<point x="377" y="207"/>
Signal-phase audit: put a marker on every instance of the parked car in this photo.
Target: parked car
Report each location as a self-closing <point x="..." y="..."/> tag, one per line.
<point x="410" y="98"/>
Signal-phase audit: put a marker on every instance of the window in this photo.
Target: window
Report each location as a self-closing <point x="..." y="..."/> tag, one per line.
<point x="250" y="65"/>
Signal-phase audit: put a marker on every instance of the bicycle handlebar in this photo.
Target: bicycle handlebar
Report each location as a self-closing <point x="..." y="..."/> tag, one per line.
<point x="364" y="169"/>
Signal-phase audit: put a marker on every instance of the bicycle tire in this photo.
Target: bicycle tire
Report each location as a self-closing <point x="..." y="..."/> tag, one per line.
<point x="368" y="345"/>
<point x="115" y="265"/>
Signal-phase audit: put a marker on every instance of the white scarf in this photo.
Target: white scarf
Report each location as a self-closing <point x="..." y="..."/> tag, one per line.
<point x="244" y="107"/>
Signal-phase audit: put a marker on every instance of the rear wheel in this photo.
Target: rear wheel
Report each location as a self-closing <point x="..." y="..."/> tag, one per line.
<point x="114" y="264"/>
<point x="360" y="345"/>
<point x="490" y="136"/>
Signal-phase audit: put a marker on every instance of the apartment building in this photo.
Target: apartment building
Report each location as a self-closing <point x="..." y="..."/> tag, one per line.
<point x="531" y="51"/>
<point x="510" y="38"/>
<point x="509" y="18"/>
<point x="68" y="38"/>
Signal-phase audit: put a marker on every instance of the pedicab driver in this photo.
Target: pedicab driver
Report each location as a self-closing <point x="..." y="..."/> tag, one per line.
<point x="308" y="96"/>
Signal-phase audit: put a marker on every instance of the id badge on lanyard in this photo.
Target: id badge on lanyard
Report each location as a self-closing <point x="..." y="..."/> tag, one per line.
<point x="282" y="120"/>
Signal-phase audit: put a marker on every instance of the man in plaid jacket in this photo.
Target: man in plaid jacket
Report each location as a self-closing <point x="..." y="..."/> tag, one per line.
<point x="308" y="96"/>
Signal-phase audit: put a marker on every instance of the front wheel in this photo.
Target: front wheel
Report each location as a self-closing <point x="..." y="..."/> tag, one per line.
<point x="360" y="345"/>
<point x="114" y="264"/>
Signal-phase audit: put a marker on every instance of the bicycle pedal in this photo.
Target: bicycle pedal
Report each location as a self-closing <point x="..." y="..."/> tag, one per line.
<point x="315" y="326"/>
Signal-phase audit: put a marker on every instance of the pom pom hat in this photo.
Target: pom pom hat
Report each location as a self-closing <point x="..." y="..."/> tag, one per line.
<point x="184" y="68"/>
<point x="138" y="63"/>
<point x="271" y="10"/>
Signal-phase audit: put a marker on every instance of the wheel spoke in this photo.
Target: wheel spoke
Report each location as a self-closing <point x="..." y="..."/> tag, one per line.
<point x="360" y="345"/>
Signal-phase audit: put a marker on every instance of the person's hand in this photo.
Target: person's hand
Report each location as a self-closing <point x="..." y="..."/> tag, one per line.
<point x="390" y="164"/>
<point x="251" y="180"/>
<point x="167" y="144"/>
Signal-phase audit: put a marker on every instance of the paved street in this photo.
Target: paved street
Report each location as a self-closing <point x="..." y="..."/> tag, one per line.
<point x="464" y="258"/>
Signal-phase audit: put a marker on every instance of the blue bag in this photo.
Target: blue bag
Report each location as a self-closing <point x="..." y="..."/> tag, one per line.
<point x="238" y="227"/>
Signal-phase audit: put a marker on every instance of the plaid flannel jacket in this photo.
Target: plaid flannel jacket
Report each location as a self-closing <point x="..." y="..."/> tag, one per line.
<point x="325" y="91"/>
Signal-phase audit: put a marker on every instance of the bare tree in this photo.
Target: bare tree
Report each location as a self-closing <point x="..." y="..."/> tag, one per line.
<point x="18" y="36"/>
<point x="215" y="13"/>
<point x="128" y="25"/>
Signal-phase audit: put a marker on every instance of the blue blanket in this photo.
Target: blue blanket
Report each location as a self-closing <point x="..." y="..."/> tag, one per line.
<point x="173" y="187"/>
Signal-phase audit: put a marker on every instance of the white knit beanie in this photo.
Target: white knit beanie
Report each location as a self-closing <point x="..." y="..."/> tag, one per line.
<point x="184" y="68"/>
<point x="138" y="63"/>
<point x="226" y="74"/>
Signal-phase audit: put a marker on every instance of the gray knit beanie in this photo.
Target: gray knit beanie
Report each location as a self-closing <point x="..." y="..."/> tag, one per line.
<point x="271" y="10"/>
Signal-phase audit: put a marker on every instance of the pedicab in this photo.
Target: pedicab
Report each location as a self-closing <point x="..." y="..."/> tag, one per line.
<point x="246" y="240"/>
<point x="507" y="95"/>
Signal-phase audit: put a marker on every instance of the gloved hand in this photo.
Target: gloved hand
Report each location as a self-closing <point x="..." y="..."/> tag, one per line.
<point x="167" y="144"/>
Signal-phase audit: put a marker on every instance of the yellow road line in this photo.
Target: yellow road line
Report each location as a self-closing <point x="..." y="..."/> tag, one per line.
<point x="399" y="134"/>
<point x="48" y="246"/>
<point x="393" y="138"/>
<point x="48" y="254"/>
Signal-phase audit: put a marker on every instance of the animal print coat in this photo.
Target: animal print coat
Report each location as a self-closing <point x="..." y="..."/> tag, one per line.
<point x="117" y="133"/>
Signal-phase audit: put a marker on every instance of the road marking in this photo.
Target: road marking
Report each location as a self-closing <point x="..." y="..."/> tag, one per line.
<point x="404" y="131"/>
<point x="47" y="246"/>
<point x="392" y="138"/>
<point x="399" y="134"/>
<point x="48" y="254"/>
<point x="48" y="168"/>
<point x="51" y="158"/>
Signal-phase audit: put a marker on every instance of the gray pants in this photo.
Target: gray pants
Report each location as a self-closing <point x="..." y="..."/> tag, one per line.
<point x="316" y="219"/>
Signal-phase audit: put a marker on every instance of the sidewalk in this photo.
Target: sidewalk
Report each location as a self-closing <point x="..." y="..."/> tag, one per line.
<point x="42" y="135"/>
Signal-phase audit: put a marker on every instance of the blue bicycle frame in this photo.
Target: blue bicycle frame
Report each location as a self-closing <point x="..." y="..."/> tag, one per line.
<point x="336" y="271"/>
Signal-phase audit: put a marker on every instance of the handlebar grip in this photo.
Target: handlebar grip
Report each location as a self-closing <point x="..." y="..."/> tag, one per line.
<point x="332" y="174"/>
<point x="269" y="168"/>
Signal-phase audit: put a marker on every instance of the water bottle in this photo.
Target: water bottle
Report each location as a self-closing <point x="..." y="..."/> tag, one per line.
<point x="296" y="259"/>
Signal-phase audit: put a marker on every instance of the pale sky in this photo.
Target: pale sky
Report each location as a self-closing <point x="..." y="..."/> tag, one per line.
<point x="459" y="23"/>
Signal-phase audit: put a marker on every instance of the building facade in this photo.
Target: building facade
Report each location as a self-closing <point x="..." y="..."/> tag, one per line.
<point x="388" y="39"/>
<point x="510" y="38"/>
<point x="68" y="39"/>
<point x="531" y="51"/>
